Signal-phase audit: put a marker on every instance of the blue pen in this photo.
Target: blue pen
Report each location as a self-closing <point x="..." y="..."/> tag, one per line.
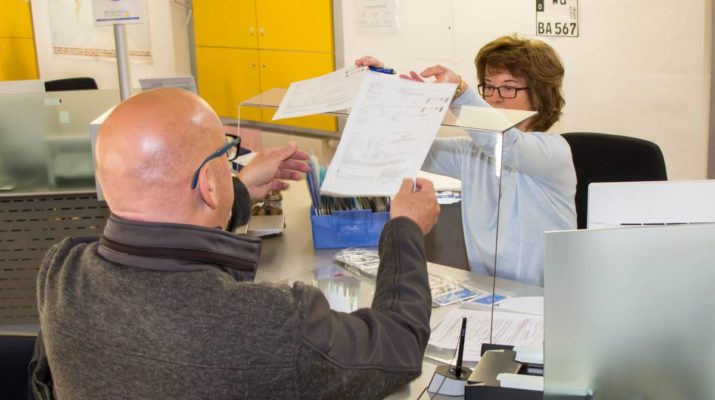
<point x="388" y="71"/>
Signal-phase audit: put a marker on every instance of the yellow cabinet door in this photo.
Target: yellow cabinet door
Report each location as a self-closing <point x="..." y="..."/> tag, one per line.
<point x="225" y="23"/>
<point x="15" y="19"/>
<point x="17" y="59"/>
<point x="280" y="68"/>
<point x="226" y="77"/>
<point x="295" y="25"/>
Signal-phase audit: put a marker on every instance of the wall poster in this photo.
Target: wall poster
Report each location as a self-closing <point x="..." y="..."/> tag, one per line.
<point x="75" y="35"/>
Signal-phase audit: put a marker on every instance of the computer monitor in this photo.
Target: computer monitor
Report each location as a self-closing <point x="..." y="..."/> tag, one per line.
<point x="25" y="86"/>
<point x="650" y="203"/>
<point x="629" y="314"/>
<point x="182" y="82"/>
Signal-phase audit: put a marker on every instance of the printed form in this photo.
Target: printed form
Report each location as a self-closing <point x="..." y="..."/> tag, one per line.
<point x="390" y="129"/>
<point x="509" y="328"/>
<point x="327" y="93"/>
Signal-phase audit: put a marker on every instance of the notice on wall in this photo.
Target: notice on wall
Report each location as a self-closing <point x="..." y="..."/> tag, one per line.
<point x="74" y="34"/>
<point x="376" y="16"/>
<point x="557" y="18"/>
<point x="109" y="12"/>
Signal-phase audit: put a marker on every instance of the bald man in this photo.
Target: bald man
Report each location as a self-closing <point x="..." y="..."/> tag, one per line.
<point x="162" y="305"/>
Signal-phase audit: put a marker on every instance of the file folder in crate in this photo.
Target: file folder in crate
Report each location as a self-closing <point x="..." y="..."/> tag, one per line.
<point x="358" y="228"/>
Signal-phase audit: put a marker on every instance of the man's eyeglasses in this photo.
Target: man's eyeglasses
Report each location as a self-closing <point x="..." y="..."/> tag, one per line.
<point x="233" y="143"/>
<point x="507" y="92"/>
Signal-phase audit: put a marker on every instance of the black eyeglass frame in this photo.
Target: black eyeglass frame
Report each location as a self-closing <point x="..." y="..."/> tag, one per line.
<point x="225" y="149"/>
<point x="481" y="88"/>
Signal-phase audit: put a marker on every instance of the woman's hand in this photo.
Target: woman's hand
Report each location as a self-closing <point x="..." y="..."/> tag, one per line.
<point x="369" y="61"/>
<point x="439" y="72"/>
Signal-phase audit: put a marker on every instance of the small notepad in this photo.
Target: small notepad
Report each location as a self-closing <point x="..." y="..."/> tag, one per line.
<point x="265" y="225"/>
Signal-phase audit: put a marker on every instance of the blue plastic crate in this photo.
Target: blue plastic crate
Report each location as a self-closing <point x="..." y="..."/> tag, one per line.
<point x="360" y="228"/>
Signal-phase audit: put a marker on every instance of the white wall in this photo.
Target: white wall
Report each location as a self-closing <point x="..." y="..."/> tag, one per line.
<point x="639" y="68"/>
<point x="169" y="47"/>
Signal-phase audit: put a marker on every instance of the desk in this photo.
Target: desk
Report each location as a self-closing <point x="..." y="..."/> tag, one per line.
<point x="291" y="257"/>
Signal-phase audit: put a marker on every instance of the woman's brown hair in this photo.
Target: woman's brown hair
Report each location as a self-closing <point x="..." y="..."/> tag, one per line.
<point x="537" y="63"/>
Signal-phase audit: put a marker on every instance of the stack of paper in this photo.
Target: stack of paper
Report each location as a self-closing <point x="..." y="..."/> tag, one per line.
<point x="389" y="130"/>
<point x="507" y="328"/>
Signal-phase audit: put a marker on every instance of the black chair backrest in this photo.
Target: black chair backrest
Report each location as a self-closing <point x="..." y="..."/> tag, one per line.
<point x="599" y="157"/>
<point x="15" y="355"/>
<point x="58" y="85"/>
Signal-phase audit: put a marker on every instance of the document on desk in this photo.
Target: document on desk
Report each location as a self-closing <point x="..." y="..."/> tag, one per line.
<point x="327" y="93"/>
<point x="509" y="328"/>
<point x="390" y="129"/>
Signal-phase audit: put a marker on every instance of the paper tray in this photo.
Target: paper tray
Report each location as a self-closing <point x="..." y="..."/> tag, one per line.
<point x="360" y="228"/>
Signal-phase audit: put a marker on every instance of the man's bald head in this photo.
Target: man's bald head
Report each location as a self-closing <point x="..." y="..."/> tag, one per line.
<point x="147" y="152"/>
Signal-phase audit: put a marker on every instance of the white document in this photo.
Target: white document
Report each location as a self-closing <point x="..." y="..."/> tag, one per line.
<point x="331" y="92"/>
<point x="528" y="305"/>
<point x="387" y="136"/>
<point x="509" y="328"/>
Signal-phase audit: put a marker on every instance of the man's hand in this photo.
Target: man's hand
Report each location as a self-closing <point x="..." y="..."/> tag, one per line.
<point x="269" y="167"/>
<point x="419" y="205"/>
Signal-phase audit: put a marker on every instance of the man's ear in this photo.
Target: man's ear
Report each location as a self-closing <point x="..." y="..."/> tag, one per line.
<point x="207" y="187"/>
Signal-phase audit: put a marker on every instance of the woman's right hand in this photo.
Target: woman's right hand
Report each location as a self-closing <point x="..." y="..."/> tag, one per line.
<point x="439" y="72"/>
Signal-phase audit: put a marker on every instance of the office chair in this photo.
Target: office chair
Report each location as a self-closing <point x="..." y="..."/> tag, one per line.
<point x="599" y="157"/>
<point x="15" y="354"/>
<point x="58" y="85"/>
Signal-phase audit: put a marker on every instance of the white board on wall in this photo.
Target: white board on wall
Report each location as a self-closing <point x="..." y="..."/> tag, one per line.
<point x="634" y="69"/>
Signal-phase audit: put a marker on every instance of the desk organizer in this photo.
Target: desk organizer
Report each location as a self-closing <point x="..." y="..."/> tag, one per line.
<point x="359" y="228"/>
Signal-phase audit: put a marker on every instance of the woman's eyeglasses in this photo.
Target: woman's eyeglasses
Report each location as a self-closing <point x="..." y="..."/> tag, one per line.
<point x="506" y="92"/>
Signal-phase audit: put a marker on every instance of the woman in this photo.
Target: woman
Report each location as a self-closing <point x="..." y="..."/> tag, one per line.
<point x="538" y="178"/>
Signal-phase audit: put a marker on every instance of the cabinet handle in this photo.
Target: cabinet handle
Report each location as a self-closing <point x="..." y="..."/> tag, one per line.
<point x="252" y="31"/>
<point x="263" y="65"/>
<point x="261" y="31"/>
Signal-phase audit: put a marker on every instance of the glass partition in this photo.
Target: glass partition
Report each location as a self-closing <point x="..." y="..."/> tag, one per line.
<point x="485" y="126"/>
<point x="481" y="119"/>
<point x="45" y="141"/>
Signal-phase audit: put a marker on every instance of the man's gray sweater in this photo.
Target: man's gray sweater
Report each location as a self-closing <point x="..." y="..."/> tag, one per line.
<point x="169" y="311"/>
